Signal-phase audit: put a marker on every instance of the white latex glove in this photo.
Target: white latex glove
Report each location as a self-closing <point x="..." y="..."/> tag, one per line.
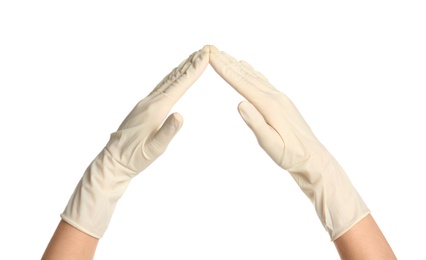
<point x="288" y="140"/>
<point x="140" y="139"/>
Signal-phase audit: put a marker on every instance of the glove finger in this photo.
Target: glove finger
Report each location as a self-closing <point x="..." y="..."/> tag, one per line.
<point x="241" y="77"/>
<point x="268" y="138"/>
<point x="182" y="77"/>
<point x="255" y="73"/>
<point x="175" y="73"/>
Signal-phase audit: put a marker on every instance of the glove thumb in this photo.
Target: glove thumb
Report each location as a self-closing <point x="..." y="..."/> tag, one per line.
<point x="166" y="133"/>
<point x="253" y="118"/>
<point x="266" y="135"/>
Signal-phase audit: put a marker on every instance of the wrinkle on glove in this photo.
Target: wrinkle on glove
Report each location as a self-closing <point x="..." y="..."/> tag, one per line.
<point x="141" y="138"/>
<point x="285" y="136"/>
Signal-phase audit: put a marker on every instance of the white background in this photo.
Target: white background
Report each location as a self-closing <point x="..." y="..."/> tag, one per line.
<point x="71" y="71"/>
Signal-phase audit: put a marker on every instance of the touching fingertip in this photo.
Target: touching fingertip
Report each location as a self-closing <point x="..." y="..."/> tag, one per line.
<point x="207" y="48"/>
<point x="213" y="49"/>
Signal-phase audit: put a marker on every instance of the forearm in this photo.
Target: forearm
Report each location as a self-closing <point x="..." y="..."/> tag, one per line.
<point x="364" y="241"/>
<point x="70" y="243"/>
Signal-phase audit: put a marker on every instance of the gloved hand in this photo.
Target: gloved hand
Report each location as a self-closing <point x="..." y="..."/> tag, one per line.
<point x="288" y="140"/>
<point x="139" y="140"/>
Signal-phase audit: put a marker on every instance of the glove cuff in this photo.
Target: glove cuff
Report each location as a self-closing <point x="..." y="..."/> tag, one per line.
<point x="337" y="203"/>
<point x="92" y="204"/>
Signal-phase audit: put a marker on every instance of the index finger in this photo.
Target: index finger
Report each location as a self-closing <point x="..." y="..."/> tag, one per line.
<point x="175" y="84"/>
<point x="240" y="75"/>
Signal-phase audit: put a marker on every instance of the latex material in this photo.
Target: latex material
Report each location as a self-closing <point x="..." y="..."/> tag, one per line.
<point x="139" y="140"/>
<point x="288" y="140"/>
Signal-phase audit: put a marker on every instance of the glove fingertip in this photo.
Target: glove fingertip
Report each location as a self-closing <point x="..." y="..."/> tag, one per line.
<point x="176" y="120"/>
<point x="249" y="113"/>
<point x="213" y="49"/>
